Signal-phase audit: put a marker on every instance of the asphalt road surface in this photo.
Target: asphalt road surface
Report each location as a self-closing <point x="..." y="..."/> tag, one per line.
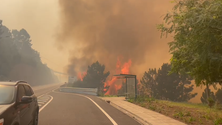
<point x="40" y="90"/>
<point x="74" y="109"/>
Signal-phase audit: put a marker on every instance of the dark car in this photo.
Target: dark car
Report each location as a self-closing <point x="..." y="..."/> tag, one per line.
<point x="18" y="104"/>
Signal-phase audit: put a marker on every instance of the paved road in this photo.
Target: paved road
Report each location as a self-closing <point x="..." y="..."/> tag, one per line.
<point x="40" y="90"/>
<point x="73" y="109"/>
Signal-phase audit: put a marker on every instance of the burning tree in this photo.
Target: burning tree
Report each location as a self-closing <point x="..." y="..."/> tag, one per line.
<point x="113" y="84"/>
<point x="95" y="77"/>
<point x="81" y="75"/>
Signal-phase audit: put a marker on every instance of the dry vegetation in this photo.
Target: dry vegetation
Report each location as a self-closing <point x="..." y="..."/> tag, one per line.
<point x="192" y="114"/>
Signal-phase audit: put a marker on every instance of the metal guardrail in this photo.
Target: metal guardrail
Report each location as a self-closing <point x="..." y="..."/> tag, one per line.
<point x="88" y="91"/>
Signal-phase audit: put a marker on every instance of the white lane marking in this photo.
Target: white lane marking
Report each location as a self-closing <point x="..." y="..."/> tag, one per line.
<point x="40" y="95"/>
<point x="48" y="92"/>
<point x="46" y="103"/>
<point x="107" y="115"/>
<point x="41" y="102"/>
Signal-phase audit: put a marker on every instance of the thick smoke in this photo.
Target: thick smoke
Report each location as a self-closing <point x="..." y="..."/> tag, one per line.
<point x="103" y="30"/>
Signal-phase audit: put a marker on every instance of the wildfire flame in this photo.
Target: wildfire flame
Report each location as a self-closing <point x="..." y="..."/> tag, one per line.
<point x="120" y="69"/>
<point x="81" y="75"/>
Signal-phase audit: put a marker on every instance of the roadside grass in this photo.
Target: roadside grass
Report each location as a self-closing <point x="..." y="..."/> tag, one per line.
<point x="189" y="113"/>
<point x="108" y="95"/>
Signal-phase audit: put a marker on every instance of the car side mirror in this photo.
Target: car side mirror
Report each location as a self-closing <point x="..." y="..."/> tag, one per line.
<point x="26" y="100"/>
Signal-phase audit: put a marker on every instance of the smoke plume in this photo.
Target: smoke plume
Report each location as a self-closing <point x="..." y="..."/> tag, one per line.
<point x="103" y="30"/>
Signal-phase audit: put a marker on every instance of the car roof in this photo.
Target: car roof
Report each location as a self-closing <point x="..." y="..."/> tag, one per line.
<point x="12" y="83"/>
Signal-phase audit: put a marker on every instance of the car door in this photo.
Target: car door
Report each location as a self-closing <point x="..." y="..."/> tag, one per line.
<point x="22" y="108"/>
<point x="31" y="106"/>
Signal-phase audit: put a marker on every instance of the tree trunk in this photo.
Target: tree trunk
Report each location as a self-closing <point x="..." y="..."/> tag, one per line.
<point x="208" y="91"/>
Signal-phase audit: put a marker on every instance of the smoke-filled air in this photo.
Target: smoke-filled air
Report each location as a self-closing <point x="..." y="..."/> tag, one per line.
<point x="105" y="30"/>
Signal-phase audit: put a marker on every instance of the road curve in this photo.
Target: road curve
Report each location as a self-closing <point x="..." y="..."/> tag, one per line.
<point x="40" y="90"/>
<point x="73" y="109"/>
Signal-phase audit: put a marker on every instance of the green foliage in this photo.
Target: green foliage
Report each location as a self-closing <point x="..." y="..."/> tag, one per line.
<point x="144" y="99"/>
<point x="191" y="119"/>
<point x="188" y="114"/>
<point x="19" y="61"/>
<point x="204" y="96"/>
<point x="152" y="108"/>
<point x="110" y="96"/>
<point x="218" y="121"/>
<point x="179" y="114"/>
<point x="131" y="100"/>
<point x="214" y="99"/>
<point x="149" y="83"/>
<point x="219" y="95"/>
<point x="161" y="85"/>
<point x="197" y="45"/>
<point x="218" y="105"/>
<point x="211" y="102"/>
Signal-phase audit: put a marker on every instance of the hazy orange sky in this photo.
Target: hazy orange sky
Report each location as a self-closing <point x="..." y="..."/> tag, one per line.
<point x="41" y="19"/>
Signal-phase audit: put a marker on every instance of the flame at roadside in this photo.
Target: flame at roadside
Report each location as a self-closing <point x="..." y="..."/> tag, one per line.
<point x="112" y="84"/>
<point x="81" y="75"/>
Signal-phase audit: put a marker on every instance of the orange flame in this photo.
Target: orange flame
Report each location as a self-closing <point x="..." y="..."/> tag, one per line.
<point x="125" y="68"/>
<point x="81" y="75"/>
<point x="114" y="87"/>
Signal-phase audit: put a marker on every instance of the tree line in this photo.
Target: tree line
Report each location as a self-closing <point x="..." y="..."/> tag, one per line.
<point x="19" y="61"/>
<point x="161" y="85"/>
<point x="156" y="83"/>
<point x="177" y="87"/>
<point x="197" y="45"/>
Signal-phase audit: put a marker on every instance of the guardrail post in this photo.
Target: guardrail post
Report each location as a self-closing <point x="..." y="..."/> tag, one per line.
<point x="135" y="87"/>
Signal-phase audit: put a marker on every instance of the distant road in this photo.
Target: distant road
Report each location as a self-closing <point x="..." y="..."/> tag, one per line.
<point x="39" y="90"/>
<point x="74" y="109"/>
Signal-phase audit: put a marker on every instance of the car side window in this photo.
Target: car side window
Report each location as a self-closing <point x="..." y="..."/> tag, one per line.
<point x="28" y="90"/>
<point x="21" y="92"/>
<point x="31" y="90"/>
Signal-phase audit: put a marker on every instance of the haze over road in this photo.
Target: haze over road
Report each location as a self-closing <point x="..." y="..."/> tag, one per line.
<point x="75" y="109"/>
<point x="40" y="90"/>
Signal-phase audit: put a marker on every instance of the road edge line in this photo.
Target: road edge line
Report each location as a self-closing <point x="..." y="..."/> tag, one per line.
<point x="104" y="112"/>
<point x="46" y="103"/>
<point x="52" y="90"/>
